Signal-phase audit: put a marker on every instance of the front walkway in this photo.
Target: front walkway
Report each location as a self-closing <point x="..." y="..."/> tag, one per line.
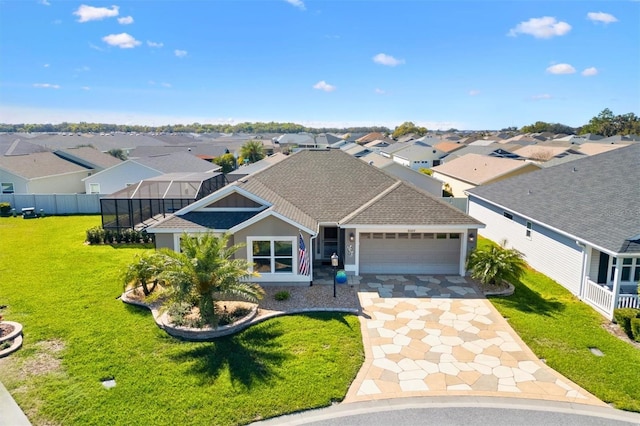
<point x="437" y="336"/>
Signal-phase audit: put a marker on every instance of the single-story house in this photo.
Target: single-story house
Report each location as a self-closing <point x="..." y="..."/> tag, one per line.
<point x="314" y="203"/>
<point x="577" y="222"/>
<point x="41" y="173"/>
<point x="132" y="171"/>
<point x="472" y="170"/>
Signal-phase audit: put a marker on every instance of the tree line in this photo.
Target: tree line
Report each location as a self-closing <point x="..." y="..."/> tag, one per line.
<point x="604" y="124"/>
<point x="250" y="128"/>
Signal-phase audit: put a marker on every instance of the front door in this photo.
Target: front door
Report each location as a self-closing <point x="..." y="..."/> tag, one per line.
<point x="329" y="242"/>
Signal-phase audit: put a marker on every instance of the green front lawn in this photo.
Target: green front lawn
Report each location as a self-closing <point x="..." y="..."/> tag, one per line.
<point x="77" y="333"/>
<point x="560" y="328"/>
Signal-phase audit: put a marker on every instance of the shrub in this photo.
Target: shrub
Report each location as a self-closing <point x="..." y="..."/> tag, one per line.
<point x="229" y="317"/>
<point x="282" y="295"/>
<point x="623" y="317"/>
<point x="5" y="209"/>
<point x="179" y="314"/>
<point x="635" y="329"/>
<point x="95" y="235"/>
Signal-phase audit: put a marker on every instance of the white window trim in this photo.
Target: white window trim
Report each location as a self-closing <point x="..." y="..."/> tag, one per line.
<point x="272" y="240"/>
<point x="528" y="229"/>
<point x="91" y="187"/>
<point x="13" y="187"/>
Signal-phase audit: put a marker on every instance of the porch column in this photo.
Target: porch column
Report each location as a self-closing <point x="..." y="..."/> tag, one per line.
<point x="616" y="285"/>
<point x="586" y="264"/>
<point x="463" y="253"/>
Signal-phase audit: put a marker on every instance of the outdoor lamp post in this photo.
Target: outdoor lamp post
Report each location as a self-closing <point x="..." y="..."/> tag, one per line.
<point x="334" y="263"/>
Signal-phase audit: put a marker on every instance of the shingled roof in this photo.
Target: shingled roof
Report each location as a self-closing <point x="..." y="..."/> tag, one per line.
<point x="595" y="199"/>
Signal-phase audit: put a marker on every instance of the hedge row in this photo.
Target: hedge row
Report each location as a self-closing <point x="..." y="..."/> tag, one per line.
<point x="629" y="320"/>
<point x="99" y="235"/>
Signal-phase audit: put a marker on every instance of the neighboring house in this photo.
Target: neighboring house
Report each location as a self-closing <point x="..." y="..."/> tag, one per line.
<point x="205" y="151"/>
<point x="245" y="170"/>
<point x="41" y="173"/>
<point x="594" y="148"/>
<point x="333" y="203"/>
<point x="88" y="157"/>
<point x="370" y="137"/>
<point x="12" y="145"/>
<point x="540" y="153"/>
<point x="578" y="223"/>
<point x="472" y="170"/>
<point x="132" y="171"/>
<point x="414" y="154"/>
<point x="299" y="139"/>
<point x="425" y="182"/>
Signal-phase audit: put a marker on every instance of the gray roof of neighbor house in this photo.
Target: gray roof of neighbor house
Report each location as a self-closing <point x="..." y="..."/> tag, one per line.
<point x="12" y="145"/>
<point x="39" y="164"/>
<point x="595" y="199"/>
<point x="88" y="157"/>
<point x="177" y="162"/>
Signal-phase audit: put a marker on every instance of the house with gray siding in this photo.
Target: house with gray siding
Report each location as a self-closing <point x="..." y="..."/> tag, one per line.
<point x="577" y="222"/>
<point x="331" y="202"/>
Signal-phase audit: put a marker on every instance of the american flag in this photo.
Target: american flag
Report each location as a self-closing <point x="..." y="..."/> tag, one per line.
<point x="303" y="259"/>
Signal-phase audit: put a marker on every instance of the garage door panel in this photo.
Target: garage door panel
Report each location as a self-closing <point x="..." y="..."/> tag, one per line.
<point x="413" y="256"/>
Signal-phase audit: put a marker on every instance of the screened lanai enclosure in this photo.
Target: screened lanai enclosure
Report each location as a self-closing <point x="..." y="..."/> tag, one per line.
<point x="148" y="201"/>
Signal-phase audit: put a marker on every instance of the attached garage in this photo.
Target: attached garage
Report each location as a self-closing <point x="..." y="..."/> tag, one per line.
<point x="409" y="253"/>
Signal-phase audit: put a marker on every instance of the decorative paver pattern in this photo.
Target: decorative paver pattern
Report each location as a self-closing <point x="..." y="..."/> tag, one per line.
<point x="436" y="335"/>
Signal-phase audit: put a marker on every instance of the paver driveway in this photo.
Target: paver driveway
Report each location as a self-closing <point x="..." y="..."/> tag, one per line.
<point x="436" y="335"/>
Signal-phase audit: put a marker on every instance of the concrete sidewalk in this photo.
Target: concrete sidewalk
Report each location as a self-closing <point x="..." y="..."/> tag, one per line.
<point x="10" y="413"/>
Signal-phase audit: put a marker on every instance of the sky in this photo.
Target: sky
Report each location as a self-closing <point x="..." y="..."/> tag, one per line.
<point x="468" y="65"/>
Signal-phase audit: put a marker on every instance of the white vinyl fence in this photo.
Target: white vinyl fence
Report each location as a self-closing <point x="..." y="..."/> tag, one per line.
<point x="55" y="204"/>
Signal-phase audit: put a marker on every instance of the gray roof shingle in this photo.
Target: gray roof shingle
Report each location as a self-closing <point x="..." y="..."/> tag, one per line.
<point x="596" y="199"/>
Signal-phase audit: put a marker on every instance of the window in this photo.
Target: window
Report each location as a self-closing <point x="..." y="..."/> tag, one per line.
<point x="528" y="232"/>
<point x="94" y="188"/>
<point x="272" y="256"/>
<point x="626" y="269"/>
<point x="428" y="236"/>
<point x="454" y="236"/>
<point x="7" y="187"/>
<point x="441" y="236"/>
<point x="508" y="215"/>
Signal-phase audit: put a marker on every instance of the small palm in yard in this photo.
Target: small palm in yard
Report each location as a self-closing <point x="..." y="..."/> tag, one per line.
<point x="494" y="264"/>
<point x="205" y="268"/>
<point x="144" y="272"/>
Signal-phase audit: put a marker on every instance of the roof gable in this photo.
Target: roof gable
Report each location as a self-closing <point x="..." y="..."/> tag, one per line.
<point x="38" y="165"/>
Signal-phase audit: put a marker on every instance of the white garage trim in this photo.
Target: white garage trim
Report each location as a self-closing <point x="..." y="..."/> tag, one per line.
<point x="410" y="252"/>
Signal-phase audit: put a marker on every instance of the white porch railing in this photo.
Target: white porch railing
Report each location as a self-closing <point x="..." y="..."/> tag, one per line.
<point x="599" y="296"/>
<point x="628" y="301"/>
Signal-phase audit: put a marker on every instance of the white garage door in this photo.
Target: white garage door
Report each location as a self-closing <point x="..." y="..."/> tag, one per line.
<point x="415" y="253"/>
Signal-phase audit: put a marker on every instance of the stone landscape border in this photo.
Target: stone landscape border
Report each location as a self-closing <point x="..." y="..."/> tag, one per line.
<point x="15" y="336"/>
<point x="208" y="333"/>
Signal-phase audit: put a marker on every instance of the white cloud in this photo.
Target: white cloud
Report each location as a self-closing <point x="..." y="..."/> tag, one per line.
<point x="83" y="68"/>
<point x="89" y="13"/>
<point x="474" y="92"/>
<point x="46" y="65"/>
<point x="46" y="86"/>
<point x="122" y="40"/>
<point x="605" y="18"/>
<point x="561" y="69"/>
<point x="167" y="85"/>
<point x="388" y="60"/>
<point x="545" y="27"/>
<point x="591" y="71"/>
<point x="297" y="3"/>
<point x="379" y="91"/>
<point x="93" y="46"/>
<point x="324" y="86"/>
<point x="154" y="44"/>
<point x="541" y="97"/>
<point x="44" y="2"/>
<point x="86" y="88"/>
<point x="180" y="53"/>
<point x="125" y="20"/>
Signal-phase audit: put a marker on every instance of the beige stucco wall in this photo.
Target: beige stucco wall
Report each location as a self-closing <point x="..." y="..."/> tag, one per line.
<point x="70" y="183"/>
<point x="457" y="186"/>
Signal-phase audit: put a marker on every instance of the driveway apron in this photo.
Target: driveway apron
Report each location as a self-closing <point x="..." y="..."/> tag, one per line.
<point x="438" y="336"/>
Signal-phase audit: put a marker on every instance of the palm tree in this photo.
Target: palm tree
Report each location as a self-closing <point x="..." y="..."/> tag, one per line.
<point x="495" y="264"/>
<point x="143" y="271"/>
<point x="252" y="150"/>
<point x="204" y="269"/>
